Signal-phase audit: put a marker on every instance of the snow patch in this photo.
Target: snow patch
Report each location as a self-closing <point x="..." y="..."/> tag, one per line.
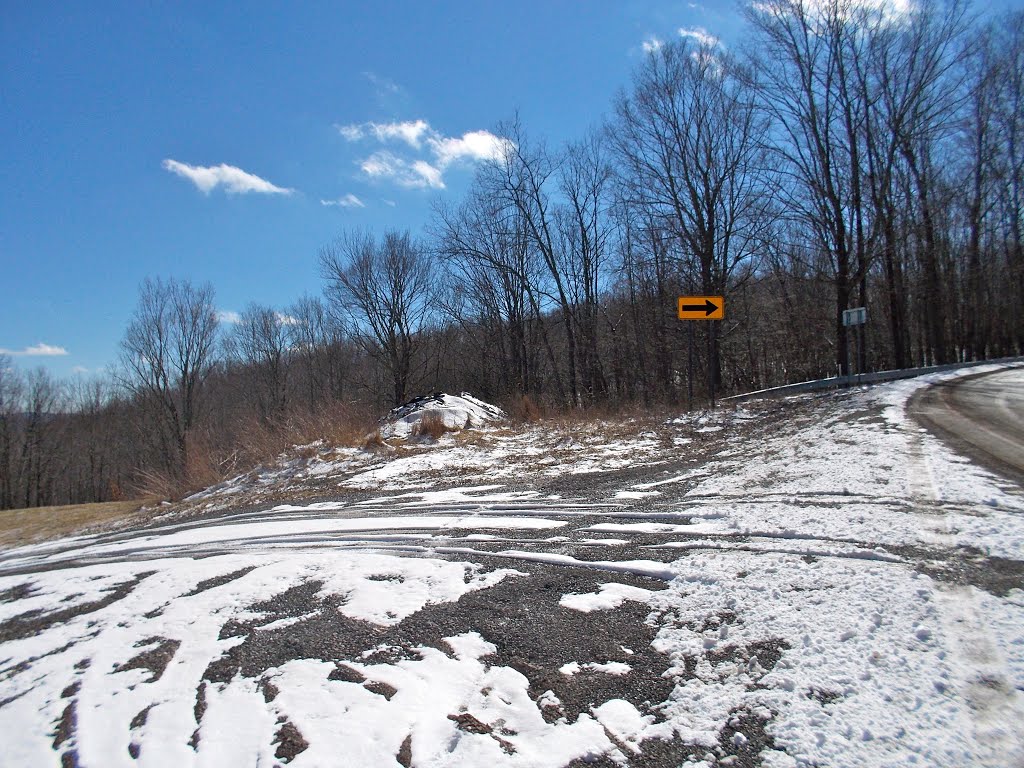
<point x="455" y="412"/>
<point x="611" y="595"/>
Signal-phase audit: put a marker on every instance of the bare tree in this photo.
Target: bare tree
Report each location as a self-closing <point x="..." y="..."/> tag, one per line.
<point x="923" y="92"/>
<point x="649" y="284"/>
<point x="498" y="282"/>
<point x="979" y="152"/>
<point x="689" y="139"/>
<point x="386" y="288"/>
<point x="524" y="183"/>
<point x="318" y="341"/>
<point x="99" y="453"/>
<point x="60" y="443"/>
<point x="262" y="340"/>
<point x="1009" y="119"/>
<point x="799" y="58"/>
<point x="11" y="394"/>
<point x="166" y="355"/>
<point x="36" y="457"/>
<point x="585" y="228"/>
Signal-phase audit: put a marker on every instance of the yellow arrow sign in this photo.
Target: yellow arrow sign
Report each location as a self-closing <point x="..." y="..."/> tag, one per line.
<point x="701" y="307"/>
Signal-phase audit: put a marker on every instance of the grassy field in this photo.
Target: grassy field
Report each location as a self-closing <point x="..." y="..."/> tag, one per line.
<point x="26" y="526"/>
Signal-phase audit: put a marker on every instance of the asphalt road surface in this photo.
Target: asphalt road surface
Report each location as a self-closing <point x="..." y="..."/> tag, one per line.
<point x="982" y="416"/>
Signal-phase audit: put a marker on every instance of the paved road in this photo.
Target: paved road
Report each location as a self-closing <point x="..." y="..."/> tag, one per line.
<point x="982" y="416"/>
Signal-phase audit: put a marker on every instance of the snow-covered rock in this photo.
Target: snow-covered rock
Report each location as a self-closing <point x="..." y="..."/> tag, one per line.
<point x="456" y="412"/>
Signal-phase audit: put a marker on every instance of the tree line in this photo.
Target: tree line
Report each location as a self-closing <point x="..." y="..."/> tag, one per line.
<point x="845" y="155"/>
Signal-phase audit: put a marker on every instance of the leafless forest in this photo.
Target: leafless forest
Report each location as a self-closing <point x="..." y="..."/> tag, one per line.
<point x="841" y="157"/>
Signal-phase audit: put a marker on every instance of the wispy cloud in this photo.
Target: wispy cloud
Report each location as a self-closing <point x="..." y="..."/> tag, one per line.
<point x="891" y="9"/>
<point x="699" y="35"/>
<point x="345" y="201"/>
<point x="390" y="97"/>
<point x="382" y="83"/>
<point x="234" y="180"/>
<point x="435" y="152"/>
<point x="651" y="44"/>
<point x="79" y="369"/>
<point x="228" y="316"/>
<point x="409" y="131"/>
<point x="234" y="318"/>
<point x="351" y="132"/>
<point x="38" y="350"/>
<point x="412" y="174"/>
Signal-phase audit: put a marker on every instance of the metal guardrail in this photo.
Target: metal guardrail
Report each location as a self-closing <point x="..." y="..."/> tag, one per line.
<point x="854" y="380"/>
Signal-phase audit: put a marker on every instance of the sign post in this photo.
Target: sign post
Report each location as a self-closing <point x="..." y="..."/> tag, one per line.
<point x="857" y="316"/>
<point x="700" y="308"/>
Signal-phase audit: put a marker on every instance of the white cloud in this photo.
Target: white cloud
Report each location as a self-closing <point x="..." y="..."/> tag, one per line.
<point x="235" y="180"/>
<point x="895" y="7"/>
<point x="351" y="132"/>
<point x="38" y="350"/>
<point x="412" y="174"/>
<point x="382" y="164"/>
<point x="389" y="203"/>
<point x="430" y="175"/>
<point x="651" y="44"/>
<point x="345" y="201"/>
<point x="45" y="350"/>
<point x="474" y="146"/>
<point x="889" y="11"/>
<point x="79" y="369"/>
<point x="228" y="316"/>
<point x="414" y="170"/>
<point x="409" y="131"/>
<point x="699" y="35"/>
<point x="234" y="318"/>
<point x="382" y="83"/>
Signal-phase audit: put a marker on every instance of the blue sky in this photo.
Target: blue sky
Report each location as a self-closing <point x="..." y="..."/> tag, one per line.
<point x="200" y="141"/>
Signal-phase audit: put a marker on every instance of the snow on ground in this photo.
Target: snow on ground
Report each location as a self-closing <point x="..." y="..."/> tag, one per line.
<point x="492" y="451"/>
<point x="372" y="727"/>
<point x="861" y="472"/>
<point x="865" y="675"/>
<point x="454" y="412"/>
<point x="534" y="450"/>
<point x="170" y="608"/>
<point x="830" y="598"/>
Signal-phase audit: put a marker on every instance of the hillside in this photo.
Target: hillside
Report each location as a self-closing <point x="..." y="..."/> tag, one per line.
<point x="815" y="580"/>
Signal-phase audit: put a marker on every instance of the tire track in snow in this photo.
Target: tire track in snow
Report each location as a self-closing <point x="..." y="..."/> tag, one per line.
<point x="993" y="702"/>
<point x="794" y="570"/>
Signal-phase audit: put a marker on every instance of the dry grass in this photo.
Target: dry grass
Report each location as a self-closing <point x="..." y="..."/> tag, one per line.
<point x="432" y="425"/>
<point x="26" y="526"/>
<point x="487" y="437"/>
<point x="608" y="423"/>
<point x="522" y="408"/>
<point x="307" y="452"/>
<point x="249" y="442"/>
<point x="375" y="442"/>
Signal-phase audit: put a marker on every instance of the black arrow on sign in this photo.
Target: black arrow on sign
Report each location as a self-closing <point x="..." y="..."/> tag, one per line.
<point x="708" y="307"/>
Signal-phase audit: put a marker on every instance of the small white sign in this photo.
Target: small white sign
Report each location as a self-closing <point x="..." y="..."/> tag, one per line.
<point x="857" y="316"/>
